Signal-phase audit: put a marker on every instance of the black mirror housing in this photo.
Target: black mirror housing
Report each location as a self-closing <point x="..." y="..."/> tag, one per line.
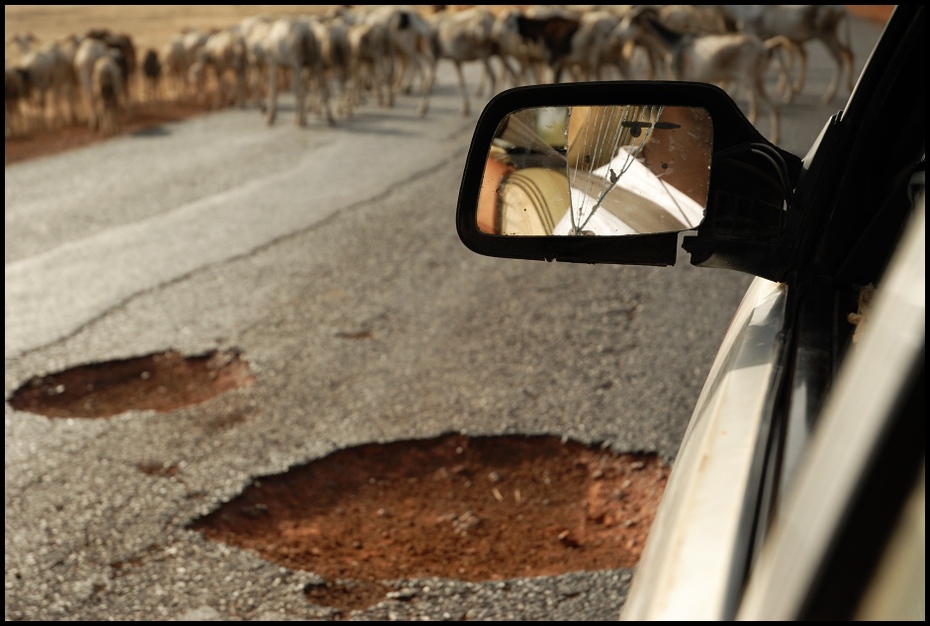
<point x="749" y="191"/>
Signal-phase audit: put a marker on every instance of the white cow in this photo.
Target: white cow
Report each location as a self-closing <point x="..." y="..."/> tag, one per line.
<point x="371" y="63"/>
<point x="255" y="31"/>
<point x="336" y="51"/>
<point x="15" y="91"/>
<point x="411" y="39"/>
<point x="697" y="19"/>
<point x="467" y="36"/>
<point x="591" y="51"/>
<point x="224" y="52"/>
<point x="18" y="45"/>
<point x="51" y="82"/>
<point x="178" y="55"/>
<point x="88" y="51"/>
<point x="292" y="45"/>
<point x="108" y="87"/>
<point x="802" y="23"/>
<point x="740" y="59"/>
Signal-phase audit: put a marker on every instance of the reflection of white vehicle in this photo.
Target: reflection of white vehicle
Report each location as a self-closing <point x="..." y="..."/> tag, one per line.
<point x="638" y="202"/>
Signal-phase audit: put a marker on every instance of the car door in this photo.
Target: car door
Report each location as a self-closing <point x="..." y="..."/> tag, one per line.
<point x="844" y="456"/>
<point x="818" y="233"/>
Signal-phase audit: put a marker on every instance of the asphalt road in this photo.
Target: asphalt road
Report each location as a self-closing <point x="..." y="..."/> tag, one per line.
<point x="286" y="243"/>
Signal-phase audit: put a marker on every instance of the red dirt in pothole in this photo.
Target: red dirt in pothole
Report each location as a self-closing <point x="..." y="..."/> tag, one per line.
<point x="159" y="382"/>
<point x="475" y="509"/>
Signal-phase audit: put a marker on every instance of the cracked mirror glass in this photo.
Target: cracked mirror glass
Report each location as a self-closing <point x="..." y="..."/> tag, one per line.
<point x="602" y="170"/>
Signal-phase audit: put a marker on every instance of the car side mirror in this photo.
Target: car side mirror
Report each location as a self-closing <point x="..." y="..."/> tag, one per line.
<point x="619" y="172"/>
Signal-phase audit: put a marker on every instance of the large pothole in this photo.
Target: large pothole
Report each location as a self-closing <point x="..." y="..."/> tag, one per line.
<point x="161" y="382"/>
<point x="474" y="509"/>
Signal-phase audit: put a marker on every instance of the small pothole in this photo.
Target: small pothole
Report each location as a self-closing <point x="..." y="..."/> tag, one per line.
<point x="161" y="382"/>
<point x="474" y="509"/>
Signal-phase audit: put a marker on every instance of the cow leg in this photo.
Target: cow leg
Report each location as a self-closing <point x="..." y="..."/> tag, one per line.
<point x="842" y="57"/>
<point x="802" y="70"/>
<point x="509" y="71"/>
<point x="758" y="91"/>
<point x="272" y="94"/>
<point x="462" y="88"/>
<point x="429" y="77"/>
<point x="489" y="69"/>
<point x="318" y="76"/>
<point x="300" y="92"/>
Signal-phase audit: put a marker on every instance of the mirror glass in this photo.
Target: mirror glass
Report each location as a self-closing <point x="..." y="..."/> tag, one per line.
<point x="597" y="170"/>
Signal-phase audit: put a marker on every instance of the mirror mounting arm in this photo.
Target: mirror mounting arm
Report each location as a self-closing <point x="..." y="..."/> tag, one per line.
<point x="747" y="215"/>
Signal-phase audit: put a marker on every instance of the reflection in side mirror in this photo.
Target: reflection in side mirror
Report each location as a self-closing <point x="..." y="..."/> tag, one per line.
<point x="597" y="170"/>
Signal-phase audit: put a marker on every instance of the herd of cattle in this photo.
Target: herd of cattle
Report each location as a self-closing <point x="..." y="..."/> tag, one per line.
<point x="336" y="60"/>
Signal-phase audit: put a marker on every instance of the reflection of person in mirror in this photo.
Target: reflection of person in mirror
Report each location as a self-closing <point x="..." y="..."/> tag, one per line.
<point x="625" y="170"/>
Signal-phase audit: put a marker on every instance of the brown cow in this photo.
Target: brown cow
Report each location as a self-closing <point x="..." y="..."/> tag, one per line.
<point x="554" y="34"/>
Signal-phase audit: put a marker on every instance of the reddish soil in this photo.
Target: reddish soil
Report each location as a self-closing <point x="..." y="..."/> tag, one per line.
<point x="159" y="382"/>
<point x="877" y="12"/>
<point x="470" y="509"/>
<point x="143" y="116"/>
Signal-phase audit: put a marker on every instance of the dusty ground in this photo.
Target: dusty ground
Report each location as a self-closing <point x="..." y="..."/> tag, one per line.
<point x="142" y="117"/>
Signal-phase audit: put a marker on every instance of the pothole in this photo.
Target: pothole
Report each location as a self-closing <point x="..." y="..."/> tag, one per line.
<point x="473" y="509"/>
<point x="162" y="382"/>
